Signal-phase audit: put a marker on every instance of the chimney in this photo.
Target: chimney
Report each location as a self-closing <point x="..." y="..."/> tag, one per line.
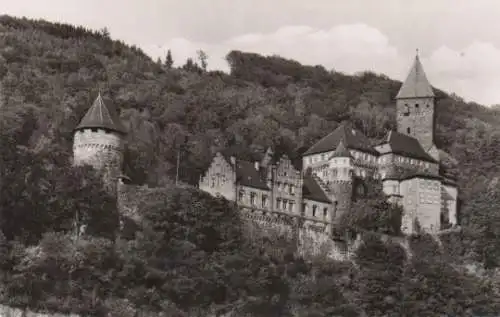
<point x="233" y="160"/>
<point x="256" y="164"/>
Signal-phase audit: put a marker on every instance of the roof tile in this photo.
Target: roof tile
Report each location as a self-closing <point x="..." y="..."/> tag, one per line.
<point x="101" y="116"/>
<point x="352" y="138"/>
<point x="416" y="84"/>
<point x="406" y="145"/>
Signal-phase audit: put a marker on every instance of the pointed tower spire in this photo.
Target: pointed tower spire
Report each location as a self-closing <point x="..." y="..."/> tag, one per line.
<point x="416" y="84"/>
<point x="101" y="116"/>
<point x="341" y="151"/>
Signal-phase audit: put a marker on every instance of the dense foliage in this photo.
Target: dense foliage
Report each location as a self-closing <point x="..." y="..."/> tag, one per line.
<point x="190" y="258"/>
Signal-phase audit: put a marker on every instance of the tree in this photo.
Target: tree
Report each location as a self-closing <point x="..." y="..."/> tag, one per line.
<point x="202" y="59"/>
<point x="104" y="32"/>
<point x="169" y="62"/>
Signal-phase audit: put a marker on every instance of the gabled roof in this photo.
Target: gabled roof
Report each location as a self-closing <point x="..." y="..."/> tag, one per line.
<point x="352" y="138"/>
<point x="311" y="190"/>
<point x="101" y="116"/>
<point x="416" y="84"/>
<point x="407" y="146"/>
<point x="341" y="151"/>
<point x="247" y="175"/>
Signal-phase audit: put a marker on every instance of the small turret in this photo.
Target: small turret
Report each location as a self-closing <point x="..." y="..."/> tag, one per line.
<point x="341" y="178"/>
<point x="341" y="164"/>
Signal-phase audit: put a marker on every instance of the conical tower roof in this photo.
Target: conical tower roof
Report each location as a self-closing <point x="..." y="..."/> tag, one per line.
<point x="101" y="116"/>
<point x="341" y="151"/>
<point x="416" y="84"/>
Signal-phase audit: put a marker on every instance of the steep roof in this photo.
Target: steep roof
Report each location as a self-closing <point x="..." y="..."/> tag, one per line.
<point x="311" y="190"/>
<point x="416" y="84"/>
<point x="407" y="146"/>
<point x="101" y="116"/>
<point x="341" y="151"/>
<point x="247" y="175"/>
<point x="352" y="138"/>
<point x="447" y="160"/>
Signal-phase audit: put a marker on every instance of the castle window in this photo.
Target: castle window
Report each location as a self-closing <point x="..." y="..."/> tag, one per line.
<point x="408" y="130"/>
<point x="304" y="207"/>
<point x="325" y="212"/>
<point x="314" y="210"/>
<point x="241" y="194"/>
<point x="213" y="182"/>
<point x="292" y="190"/>
<point x="416" y="105"/>
<point x="290" y="206"/>
<point x="264" y="201"/>
<point x="252" y="198"/>
<point x="278" y="203"/>
<point x="284" y="204"/>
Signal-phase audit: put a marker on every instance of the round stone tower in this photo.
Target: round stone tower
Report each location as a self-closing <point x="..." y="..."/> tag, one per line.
<point x="341" y="178"/>
<point x="99" y="141"/>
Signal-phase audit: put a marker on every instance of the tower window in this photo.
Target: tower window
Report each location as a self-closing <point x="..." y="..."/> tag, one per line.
<point x="408" y="130"/>
<point x="406" y="111"/>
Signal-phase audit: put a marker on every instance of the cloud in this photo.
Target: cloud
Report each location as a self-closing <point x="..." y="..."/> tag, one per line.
<point x="471" y="72"/>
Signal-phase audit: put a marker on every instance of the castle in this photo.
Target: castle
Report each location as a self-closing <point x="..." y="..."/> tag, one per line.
<point x="413" y="171"/>
<point x="274" y="192"/>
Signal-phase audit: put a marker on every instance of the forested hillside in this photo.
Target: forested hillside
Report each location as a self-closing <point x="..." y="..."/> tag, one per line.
<point x="51" y="73"/>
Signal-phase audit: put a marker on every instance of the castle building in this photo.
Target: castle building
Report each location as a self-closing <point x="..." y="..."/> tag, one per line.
<point x="312" y="195"/>
<point x="413" y="171"/>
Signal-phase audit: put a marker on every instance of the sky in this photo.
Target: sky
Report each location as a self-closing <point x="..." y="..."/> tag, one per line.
<point x="458" y="41"/>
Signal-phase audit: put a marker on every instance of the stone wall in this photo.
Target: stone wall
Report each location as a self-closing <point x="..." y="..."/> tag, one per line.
<point x="315" y="241"/>
<point x="102" y="150"/>
<point x="419" y="121"/>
